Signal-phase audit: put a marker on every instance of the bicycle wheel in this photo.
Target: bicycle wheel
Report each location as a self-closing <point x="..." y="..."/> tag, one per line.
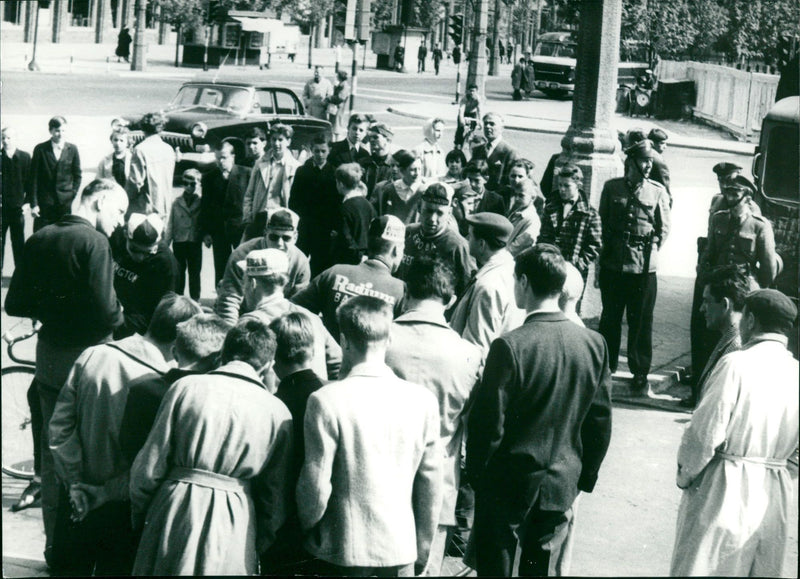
<point x="17" y="457"/>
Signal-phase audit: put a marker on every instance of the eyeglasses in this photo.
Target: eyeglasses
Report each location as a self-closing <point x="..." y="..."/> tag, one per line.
<point x="276" y="237"/>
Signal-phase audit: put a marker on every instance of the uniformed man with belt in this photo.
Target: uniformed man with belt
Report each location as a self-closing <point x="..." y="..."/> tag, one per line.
<point x="635" y="219"/>
<point x="702" y="338"/>
<point x="738" y="237"/>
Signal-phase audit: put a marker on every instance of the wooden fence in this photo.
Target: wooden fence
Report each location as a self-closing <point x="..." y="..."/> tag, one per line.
<point x="727" y="97"/>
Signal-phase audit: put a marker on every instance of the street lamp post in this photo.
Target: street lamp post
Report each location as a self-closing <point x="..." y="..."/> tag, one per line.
<point x="33" y="66"/>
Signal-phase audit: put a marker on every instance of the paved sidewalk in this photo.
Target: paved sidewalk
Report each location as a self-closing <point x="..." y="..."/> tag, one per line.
<point x="525" y="116"/>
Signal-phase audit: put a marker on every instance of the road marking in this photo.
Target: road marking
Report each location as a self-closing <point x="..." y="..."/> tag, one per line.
<point x="364" y="92"/>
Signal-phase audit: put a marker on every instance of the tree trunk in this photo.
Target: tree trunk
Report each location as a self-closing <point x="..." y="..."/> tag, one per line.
<point x="177" y="43"/>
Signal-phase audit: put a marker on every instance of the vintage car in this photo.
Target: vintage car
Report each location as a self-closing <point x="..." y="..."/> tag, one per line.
<point x="202" y="114"/>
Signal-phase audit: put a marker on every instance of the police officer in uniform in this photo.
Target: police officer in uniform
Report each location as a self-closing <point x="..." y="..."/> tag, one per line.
<point x="738" y="237"/>
<point x="635" y="217"/>
<point x="702" y="339"/>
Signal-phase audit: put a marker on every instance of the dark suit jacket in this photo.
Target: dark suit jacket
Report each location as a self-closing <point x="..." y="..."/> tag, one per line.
<point x="221" y="204"/>
<point x="54" y="183"/>
<point x="540" y="421"/>
<point x="340" y="153"/>
<point x="16" y="172"/>
<point x="500" y="161"/>
<point x="294" y="391"/>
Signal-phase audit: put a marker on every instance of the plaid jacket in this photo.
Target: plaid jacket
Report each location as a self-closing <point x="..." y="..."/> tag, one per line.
<point x="578" y="236"/>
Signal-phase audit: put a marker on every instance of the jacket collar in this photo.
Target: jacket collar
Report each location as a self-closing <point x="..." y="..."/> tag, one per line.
<point x="418" y="316"/>
<point x="498" y="260"/>
<point x="539" y="316"/>
<point x="239" y="369"/>
<point x="367" y="369"/>
<point x="140" y="348"/>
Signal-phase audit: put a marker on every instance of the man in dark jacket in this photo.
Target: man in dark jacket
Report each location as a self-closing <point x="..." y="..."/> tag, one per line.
<point x="16" y="170"/>
<point x="352" y="148"/>
<point x="498" y="154"/>
<point x="314" y="198"/>
<point x="294" y="335"/>
<point x="66" y="281"/>
<point x="378" y="164"/>
<point x="198" y="341"/>
<point x="539" y="425"/>
<point x="144" y="271"/>
<point x="221" y="207"/>
<point x="56" y="176"/>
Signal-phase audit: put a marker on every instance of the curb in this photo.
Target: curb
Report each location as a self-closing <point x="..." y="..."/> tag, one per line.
<point x="736" y="147"/>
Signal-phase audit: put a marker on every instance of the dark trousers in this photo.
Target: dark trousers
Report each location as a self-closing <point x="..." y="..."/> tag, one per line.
<point x="540" y="535"/>
<point x="325" y="569"/>
<point x="221" y="248"/>
<point x="421" y="65"/>
<point x="37" y="422"/>
<point x="103" y="543"/>
<point x="189" y="255"/>
<point x="50" y="485"/>
<point x="635" y="295"/>
<point x="465" y="514"/>
<point x="13" y="221"/>
<point x="49" y="215"/>
<point x="702" y="339"/>
<point x="256" y="228"/>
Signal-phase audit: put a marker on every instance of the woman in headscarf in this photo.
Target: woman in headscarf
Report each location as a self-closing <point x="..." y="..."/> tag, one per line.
<point x="430" y="151"/>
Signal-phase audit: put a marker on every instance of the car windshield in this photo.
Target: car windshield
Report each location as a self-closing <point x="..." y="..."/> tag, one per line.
<point x="557" y="49"/>
<point x="212" y="96"/>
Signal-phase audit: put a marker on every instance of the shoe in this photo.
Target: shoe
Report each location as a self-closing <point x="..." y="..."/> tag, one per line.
<point x="639" y="384"/>
<point x="29" y="497"/>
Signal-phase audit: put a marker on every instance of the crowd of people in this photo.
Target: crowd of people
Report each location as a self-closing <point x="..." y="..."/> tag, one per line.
<point x="394" y="367"/>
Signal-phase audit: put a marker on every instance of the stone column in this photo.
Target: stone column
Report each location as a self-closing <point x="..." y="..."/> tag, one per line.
<point x="476" y="73"/>
<point x="103" y="24"/>
<point x="494" y="54"/>
<point x="591" y="140"/>
<point x="58" y="9"/>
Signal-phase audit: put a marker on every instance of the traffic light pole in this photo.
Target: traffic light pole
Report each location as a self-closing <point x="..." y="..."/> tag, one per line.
<point x="354" y="44"/>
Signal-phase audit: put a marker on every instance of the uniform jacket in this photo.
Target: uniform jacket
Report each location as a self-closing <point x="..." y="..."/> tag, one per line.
<point x="733" y="519"/>
<point x="212" y="481"/>
<point x="488" y="309"/>
<point x="499" y="161"/>
<point x="66" y="281"/>
<point x="370" y="490"/>
<point x="54" y="183"/>
<point x="745" y="240"/>
<point x="579" y="235"/>
<point x="16" y="183"/>
<point x="540" y="421"/>
<point x="150" y="182"/>
<point x="184" y="221"/>
<point x="86" y="423"/>
<point x="341" y="154"/>
<point x="629" y="216"/>
<point x="256" y="196"/>
<point x="526" y="229"/>
<point x="221" y="209"/>
<point x="339" y="283"/>
<point x="106" y="166"/>
<point x="425" y="351"/>
<point x="231" y="288"/>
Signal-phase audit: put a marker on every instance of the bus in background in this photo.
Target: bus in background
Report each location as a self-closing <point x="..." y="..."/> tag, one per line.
<point x="775" y="171"/>
<point x="554" y="61"/>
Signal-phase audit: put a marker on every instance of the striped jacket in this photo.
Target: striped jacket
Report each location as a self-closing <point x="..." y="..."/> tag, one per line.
<point x="578" y="236"/>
